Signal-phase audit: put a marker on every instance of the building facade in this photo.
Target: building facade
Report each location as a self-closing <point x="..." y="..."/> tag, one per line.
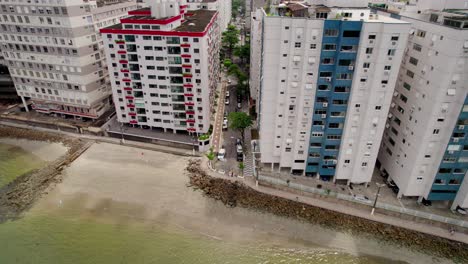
<point x="164" y="67"/>
<point x="224" y="8"/>
<point x="54" y="53"/>
<point x="323" y="83"/>
<point x="424" y="152"/>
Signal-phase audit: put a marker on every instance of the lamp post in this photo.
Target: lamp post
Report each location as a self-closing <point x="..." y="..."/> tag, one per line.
<point x="122" y="140"/>
<point x="379" y="185"/>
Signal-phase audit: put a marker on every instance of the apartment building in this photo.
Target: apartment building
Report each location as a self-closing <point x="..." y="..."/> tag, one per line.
<point x="424" y="149"/>
<point x="54" y="52"/>
<point x="323" y="80"/>
<point x="164" y="67"/>
<point x="224" y="8"/>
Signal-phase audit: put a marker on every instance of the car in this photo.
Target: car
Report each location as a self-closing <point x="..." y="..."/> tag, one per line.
<point x="225" y="123"/>
<point x="240" y="157"/>
<point x="221" y="154"/>
<point x="239" y="148"/>
<point x="229" y="81"/>
<point x="239" y="105"/>
<point x="239" y="98"/>
<point x="426" y="202"/>
<point x="226" y="101"/>
<point x="238" y="141"/>
<point x="359" y="197"/>
<point x="461" y="210"/>
<point x="227" y="93"/>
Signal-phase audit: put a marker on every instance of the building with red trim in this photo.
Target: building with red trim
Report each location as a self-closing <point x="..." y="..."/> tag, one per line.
<point x="164" y="67"/>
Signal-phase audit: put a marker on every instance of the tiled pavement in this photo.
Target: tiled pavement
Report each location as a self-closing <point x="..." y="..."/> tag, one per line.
<point x="218" y="122"/>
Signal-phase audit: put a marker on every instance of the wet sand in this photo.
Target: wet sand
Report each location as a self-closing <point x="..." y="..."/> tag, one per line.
<point x="44" y="150"/>
<point x="126" y="186"/>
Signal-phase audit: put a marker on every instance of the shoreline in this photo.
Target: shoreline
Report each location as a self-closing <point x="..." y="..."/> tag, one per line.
<point x="20" y="194"/>
<point x="236" y="193"/>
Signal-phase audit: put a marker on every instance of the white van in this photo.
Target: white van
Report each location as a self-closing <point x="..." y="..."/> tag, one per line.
<point x="221" y="154"/>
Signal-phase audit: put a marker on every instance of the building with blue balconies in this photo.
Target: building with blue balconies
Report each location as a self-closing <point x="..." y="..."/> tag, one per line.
<point x="323" y="79"/>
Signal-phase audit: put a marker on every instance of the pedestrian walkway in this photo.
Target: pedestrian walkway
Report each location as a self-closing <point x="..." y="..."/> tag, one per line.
<point x="219" y="116"/>
<point x="334" y="205"/>
<point x="248" y="157"/>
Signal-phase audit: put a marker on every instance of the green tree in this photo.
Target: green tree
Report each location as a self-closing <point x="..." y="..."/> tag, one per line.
<point x="234" y="70"/>
<point x="243" y="52"/>
<point x="227" y="63"/>
<point x="239" y="121"/>
<point x="230" y="38"/>
<point x="210" y="155"/>
<point x="241" y="167"/>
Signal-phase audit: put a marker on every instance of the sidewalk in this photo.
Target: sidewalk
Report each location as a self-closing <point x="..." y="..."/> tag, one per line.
<point x="344" y="209"/>
<point x="165" y="149"/>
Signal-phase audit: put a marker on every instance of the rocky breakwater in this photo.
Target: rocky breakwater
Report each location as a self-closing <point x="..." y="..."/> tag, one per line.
<point x="20" y="194"/>
<point x="238" y="194"/>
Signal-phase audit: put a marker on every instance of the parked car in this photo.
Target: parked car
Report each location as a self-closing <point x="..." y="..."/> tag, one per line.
<point x="225" y="123"/>
<point x="461" y="210"/>
<point x="360" y="197"/>
<point x="238" y="141"/>
<point x="240" y="156"/>
<point x="239" y="98"/>
<point x="226" y="101"/>
<point x="221" y="154"/>
<point x="239" y="148"/>
<point x="229" y="81"/>
<point x="227" y="93"/>
<point x="239" y="105"/>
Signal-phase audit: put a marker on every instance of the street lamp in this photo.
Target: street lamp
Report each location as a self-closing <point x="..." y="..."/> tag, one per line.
<point x="379" y="185"/>
<point x="122" y="140"/>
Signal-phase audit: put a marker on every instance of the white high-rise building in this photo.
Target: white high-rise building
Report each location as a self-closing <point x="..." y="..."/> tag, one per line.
<point x="424" y="150"/>
<point x="224" y="8"/>
<point x="164" y="67"/>
<point x="54" y="52"/>
<point x="322" y="76"/>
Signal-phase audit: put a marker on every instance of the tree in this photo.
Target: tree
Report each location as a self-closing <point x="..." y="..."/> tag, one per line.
<point x="230" y="38"/>
<point x="234" y="70"/>
<point x="227" y="63"/>
<point x="210" y="155"/>
<point x="243" y="52"/>
<point x="241" y="167"/>
<point x="239" y="121"/>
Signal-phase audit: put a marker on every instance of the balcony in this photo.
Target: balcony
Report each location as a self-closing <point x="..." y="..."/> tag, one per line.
<point x="186" y="66"/>
<point x="189" y="103"/>
<point x="123" y="61"/>
<point x="190" y="120"/>
<point x="122" y="52"/>
<point x="132" y="114"/>
<point x="127" y="88"/>
<point x="133" y="122"/>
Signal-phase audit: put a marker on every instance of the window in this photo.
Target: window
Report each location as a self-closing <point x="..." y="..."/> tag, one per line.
<point x="421" y="33"/>
<point x="286" y="28"/>
<point x="395" y="37"/>
<point x="351" y="34"/>
<point x="387" y="67"/>
<point x="413" y="61"/>
<point x="366" y="65"/>
<point x="410" y="73"/>
<point x="331" y="32"/>
<point x="378" y="107"/>
<point x="407" y="86"/>
<point x="403" y="98"/>
<point x="329" y="47"/>
<point x="313" y="46"/>
<point x="297" y="45"/>
<point x="417" y="47"/>
<point x="391" y="52"/>
<point x="364" y="164"/>
<point x="369" y="50"/>
<point x="372" y="36"/>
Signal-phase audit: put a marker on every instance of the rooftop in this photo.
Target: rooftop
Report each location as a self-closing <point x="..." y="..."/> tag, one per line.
<point x="196" y="21"/>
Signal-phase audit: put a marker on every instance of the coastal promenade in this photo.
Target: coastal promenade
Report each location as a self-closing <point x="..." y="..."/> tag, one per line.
<point x="336" y="206"/>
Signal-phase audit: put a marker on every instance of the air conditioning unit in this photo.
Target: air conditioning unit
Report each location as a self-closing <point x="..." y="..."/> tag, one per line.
<point x="393" y="43"/>
<point x="456" y="140"/>
<point x="325" y="105"/>
<point x="461" y="127"/>
<point x="324" y="115"/>
<point x="371" y="41"/>
<point x="351" y="68"/>
<point x="365" y="70"/>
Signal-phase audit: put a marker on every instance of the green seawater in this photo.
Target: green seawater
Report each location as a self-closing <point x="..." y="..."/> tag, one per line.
<point x="14" y="161"/>
<point x="53" y="239"/>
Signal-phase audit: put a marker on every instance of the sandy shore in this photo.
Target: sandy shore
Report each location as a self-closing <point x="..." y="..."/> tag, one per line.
<point x="46" y="151"/>
<point x="129" y="185"/>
